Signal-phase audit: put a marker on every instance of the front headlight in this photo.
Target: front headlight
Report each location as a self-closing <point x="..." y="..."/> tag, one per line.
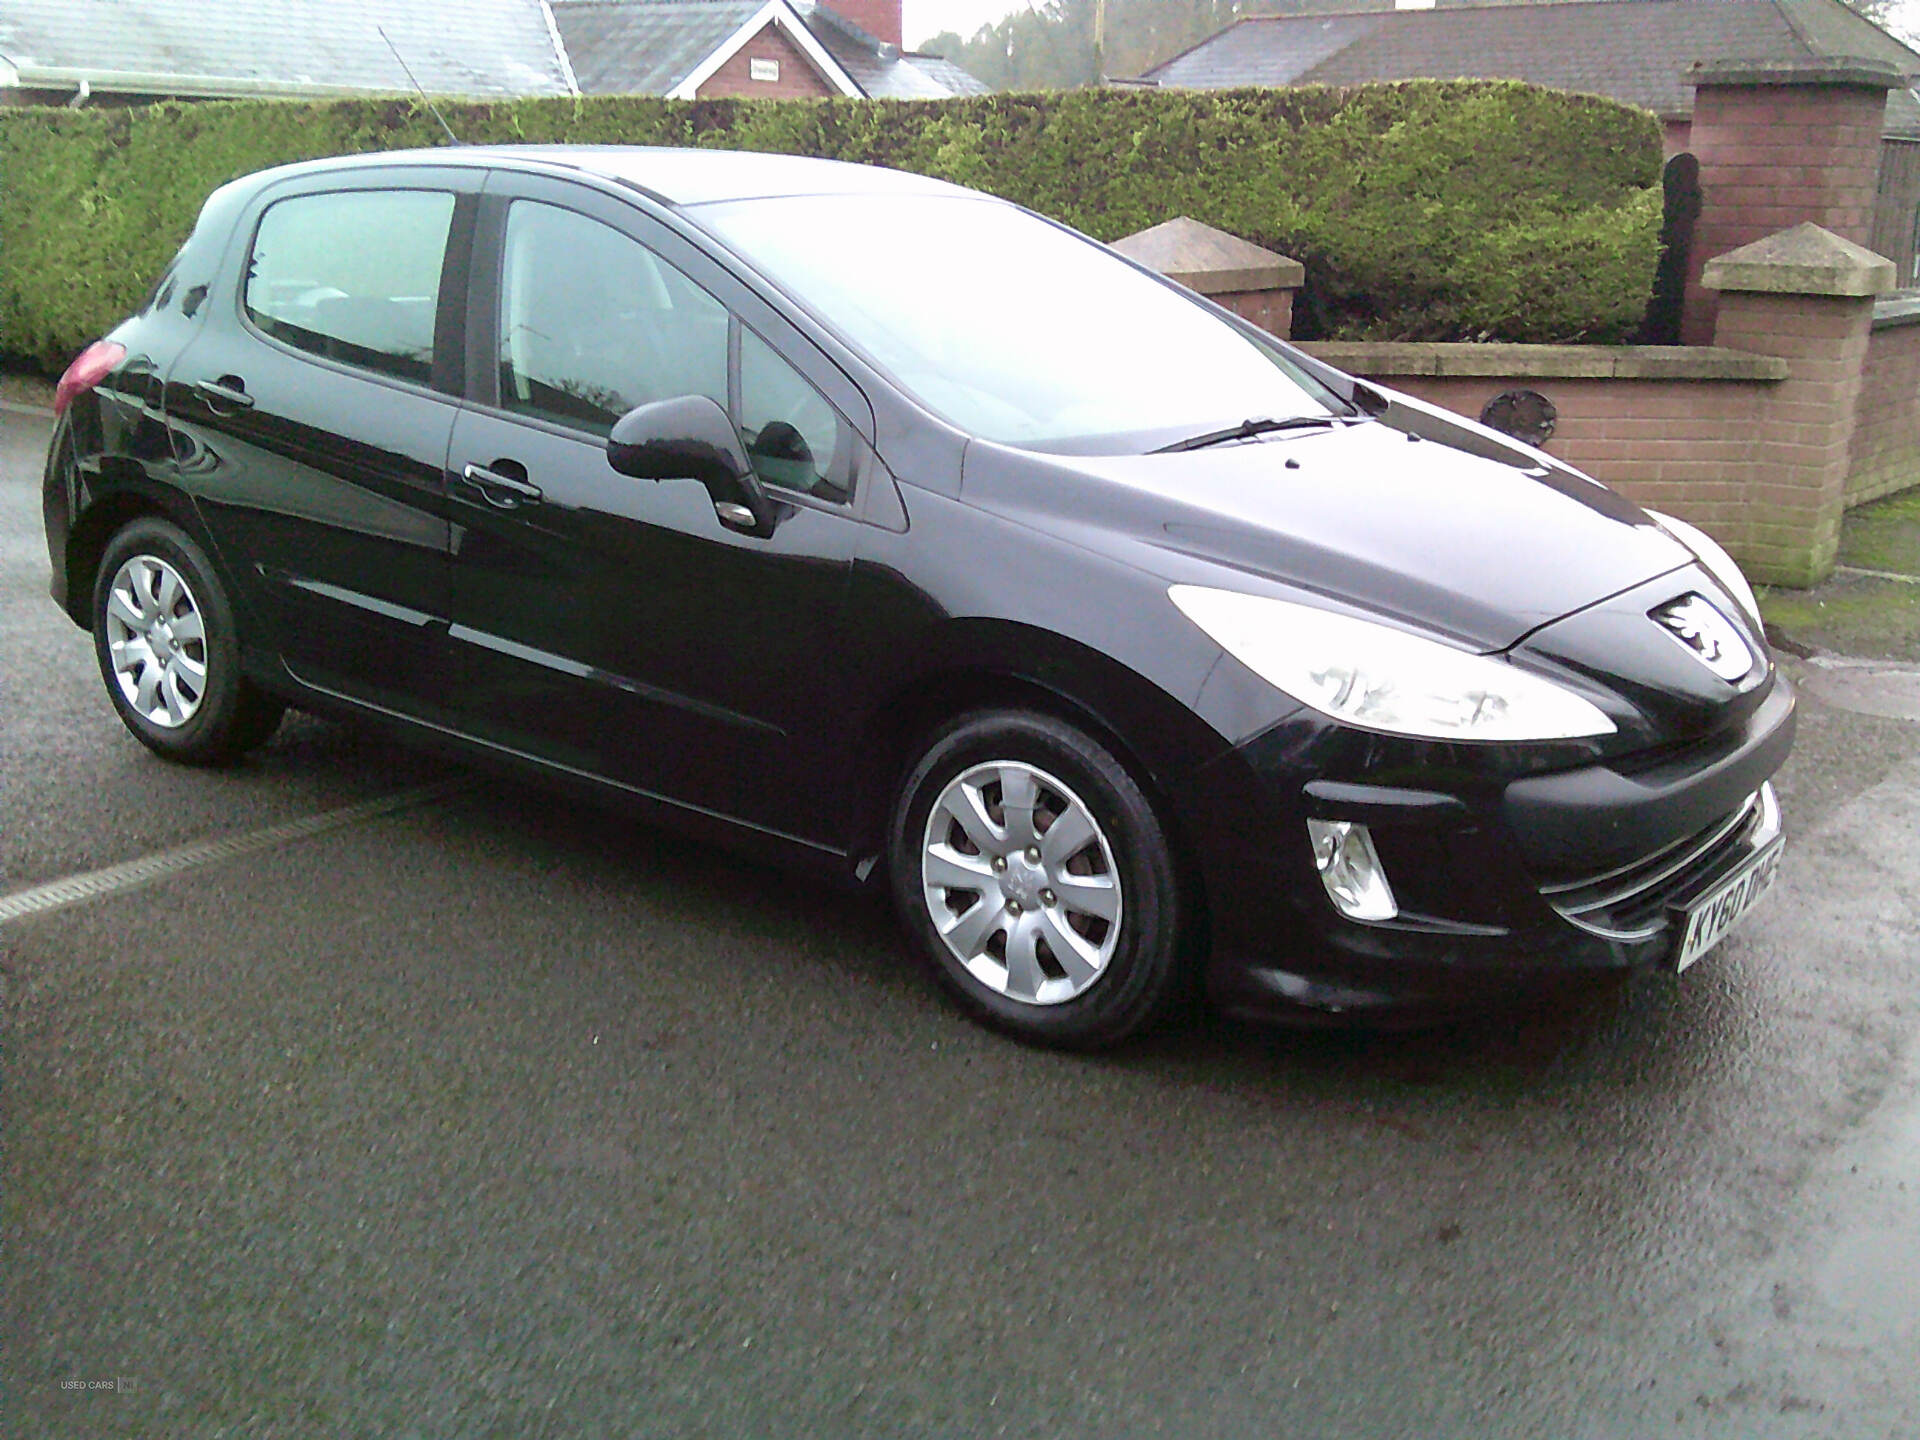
<point x="1385" y="679"/>
<point x="1714" y="560"/>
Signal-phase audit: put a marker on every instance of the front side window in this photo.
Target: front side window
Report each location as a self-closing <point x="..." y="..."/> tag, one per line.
<point x="592" y="323"/>
<point x="794" y="437"/>
<point x="353" y="276"/>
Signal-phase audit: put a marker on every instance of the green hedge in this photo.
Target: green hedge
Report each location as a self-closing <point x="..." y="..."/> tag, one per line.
<point x="1423" y="210"/>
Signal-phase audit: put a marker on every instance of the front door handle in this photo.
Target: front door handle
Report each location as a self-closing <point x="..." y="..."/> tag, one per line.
<point x="504" y="491"/>
<point x="229" y="391"/>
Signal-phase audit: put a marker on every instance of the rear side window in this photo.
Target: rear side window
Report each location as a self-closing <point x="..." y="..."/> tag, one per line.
<point x="353" y="276"/>
<point x="161" y="295"/>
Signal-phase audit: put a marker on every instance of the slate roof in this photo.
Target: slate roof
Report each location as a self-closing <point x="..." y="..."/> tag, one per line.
<point x="881" y="70"/>
<point x="646" y="47"/>
<point x="957" y="81"/>
<point x="1631" y="50"/>
<point x="285" y="47"/>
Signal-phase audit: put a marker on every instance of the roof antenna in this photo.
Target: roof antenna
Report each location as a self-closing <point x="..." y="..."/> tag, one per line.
<point x="452" y="139"/>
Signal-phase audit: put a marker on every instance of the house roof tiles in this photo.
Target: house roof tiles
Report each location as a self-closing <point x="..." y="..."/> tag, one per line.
<point x="647" y="47"/>
<point x="946" y="73"/>
<point x="236" y="47"/>
<point x="1631" y="50"/>
<point x="479" y="48"/>
<point x="881" y="70"/>
<point x="644" y="47"/>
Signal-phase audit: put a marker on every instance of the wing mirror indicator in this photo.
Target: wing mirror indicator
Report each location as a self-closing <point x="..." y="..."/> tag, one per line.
<point x="691" y="438"/>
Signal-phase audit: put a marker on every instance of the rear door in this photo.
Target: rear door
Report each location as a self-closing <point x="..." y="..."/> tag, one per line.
<point x="614" y="625"/>
<point x="316" y="407"/>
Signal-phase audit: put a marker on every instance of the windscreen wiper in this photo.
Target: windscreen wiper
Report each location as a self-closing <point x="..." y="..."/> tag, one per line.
<point x="1247" y="429"/>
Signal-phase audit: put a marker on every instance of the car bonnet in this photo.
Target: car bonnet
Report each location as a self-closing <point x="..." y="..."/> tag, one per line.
<point x="1477" y="551"/>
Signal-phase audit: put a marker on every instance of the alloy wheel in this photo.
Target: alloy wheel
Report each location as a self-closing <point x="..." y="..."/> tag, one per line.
<point x="157" y="641"/>
<point x="1021" y="882"/>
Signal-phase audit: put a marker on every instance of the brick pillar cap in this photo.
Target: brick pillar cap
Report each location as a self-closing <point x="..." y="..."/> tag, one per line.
<point x="1806" y="260"/>
<point x="1849" y="70"/>
<point x="1209" y="260"/>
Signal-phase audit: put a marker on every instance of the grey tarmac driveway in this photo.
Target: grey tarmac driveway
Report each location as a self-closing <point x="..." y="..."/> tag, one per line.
<point x="508" y="1117"/>
<point x="57" y="742"/>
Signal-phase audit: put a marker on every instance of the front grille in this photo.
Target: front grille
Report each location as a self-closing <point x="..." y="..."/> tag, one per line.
<point x="1631" y="902"/>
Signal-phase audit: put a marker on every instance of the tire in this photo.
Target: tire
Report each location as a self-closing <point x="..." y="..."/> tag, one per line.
<point x="1083" y="948"/>
<point x="169" y="652"/>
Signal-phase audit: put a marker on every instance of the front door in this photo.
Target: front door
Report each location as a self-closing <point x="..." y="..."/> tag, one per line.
<point x="615" y="626"/>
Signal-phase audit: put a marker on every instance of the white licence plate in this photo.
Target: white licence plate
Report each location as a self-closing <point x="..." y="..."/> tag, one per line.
<point x="1708" y="919"/>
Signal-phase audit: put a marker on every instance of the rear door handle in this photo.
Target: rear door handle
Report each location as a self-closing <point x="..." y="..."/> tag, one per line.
<point x="228" y="390"/>
<point x="504" y="491"/>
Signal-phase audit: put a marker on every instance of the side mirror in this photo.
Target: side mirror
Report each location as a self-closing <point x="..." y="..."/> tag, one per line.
<point x="691" y="438"/>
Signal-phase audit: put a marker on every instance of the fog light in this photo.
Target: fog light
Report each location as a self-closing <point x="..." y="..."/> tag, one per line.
<point x="1356" y="881"/>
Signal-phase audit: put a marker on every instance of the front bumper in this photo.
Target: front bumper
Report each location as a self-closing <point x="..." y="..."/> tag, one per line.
<point x="1503" y="883"/>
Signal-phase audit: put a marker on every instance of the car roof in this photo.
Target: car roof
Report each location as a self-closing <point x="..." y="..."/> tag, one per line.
<point x="677" y="176"/>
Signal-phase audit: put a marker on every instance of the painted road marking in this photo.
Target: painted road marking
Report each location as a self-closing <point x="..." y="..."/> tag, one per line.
<point x="94" y="884"/>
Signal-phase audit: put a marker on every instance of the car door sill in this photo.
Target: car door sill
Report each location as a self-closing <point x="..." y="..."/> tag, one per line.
<point x="555" y="767"/>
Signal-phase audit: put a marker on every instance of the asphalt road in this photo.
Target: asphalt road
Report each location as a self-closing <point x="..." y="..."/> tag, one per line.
<point x="502" y="1116"/>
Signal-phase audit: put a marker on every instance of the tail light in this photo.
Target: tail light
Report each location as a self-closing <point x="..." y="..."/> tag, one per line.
<point x="89" y="368"/>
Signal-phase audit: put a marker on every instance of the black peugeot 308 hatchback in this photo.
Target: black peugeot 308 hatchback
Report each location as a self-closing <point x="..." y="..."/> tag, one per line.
<point x="891" y="531"/>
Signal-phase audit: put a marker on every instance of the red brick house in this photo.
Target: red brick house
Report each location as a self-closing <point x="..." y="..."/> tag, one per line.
<point x="122" y="52"/>
<point x="788" y="49"/>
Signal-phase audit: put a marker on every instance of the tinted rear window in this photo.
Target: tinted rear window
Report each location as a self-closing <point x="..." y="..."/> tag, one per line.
<point x="353" y="276"/>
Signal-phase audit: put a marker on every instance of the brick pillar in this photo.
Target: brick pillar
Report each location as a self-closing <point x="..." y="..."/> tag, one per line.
<point x="1255" y="284"/>
<point x="1805" y="295"/>
<point x="1778" y="145"/>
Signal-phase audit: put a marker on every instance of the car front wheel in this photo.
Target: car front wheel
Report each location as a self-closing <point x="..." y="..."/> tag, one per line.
<point x="1038" y="881"/>
<point x="164" y="634"/>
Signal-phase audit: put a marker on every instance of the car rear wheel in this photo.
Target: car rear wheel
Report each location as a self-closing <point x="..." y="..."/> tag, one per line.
<point x="164" y="634"/>
<point x="1037" y="880"/>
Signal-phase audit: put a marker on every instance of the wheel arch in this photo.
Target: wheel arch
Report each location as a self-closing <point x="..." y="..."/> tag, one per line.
<point x="105" y="517"/>
<point x="1159" y="739"/>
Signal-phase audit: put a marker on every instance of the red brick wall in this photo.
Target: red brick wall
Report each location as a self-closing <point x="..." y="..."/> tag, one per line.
<point x="798" y="79"/>
<point x="1763" y="454"/>
<point x="1885" y="454"/>
<point x="1772" y="156"/>
<point x="1682" y="446"/>
<point x="1761" y="465"/>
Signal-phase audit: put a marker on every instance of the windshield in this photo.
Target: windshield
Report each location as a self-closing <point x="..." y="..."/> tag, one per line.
<point x="1011" y="328"/>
